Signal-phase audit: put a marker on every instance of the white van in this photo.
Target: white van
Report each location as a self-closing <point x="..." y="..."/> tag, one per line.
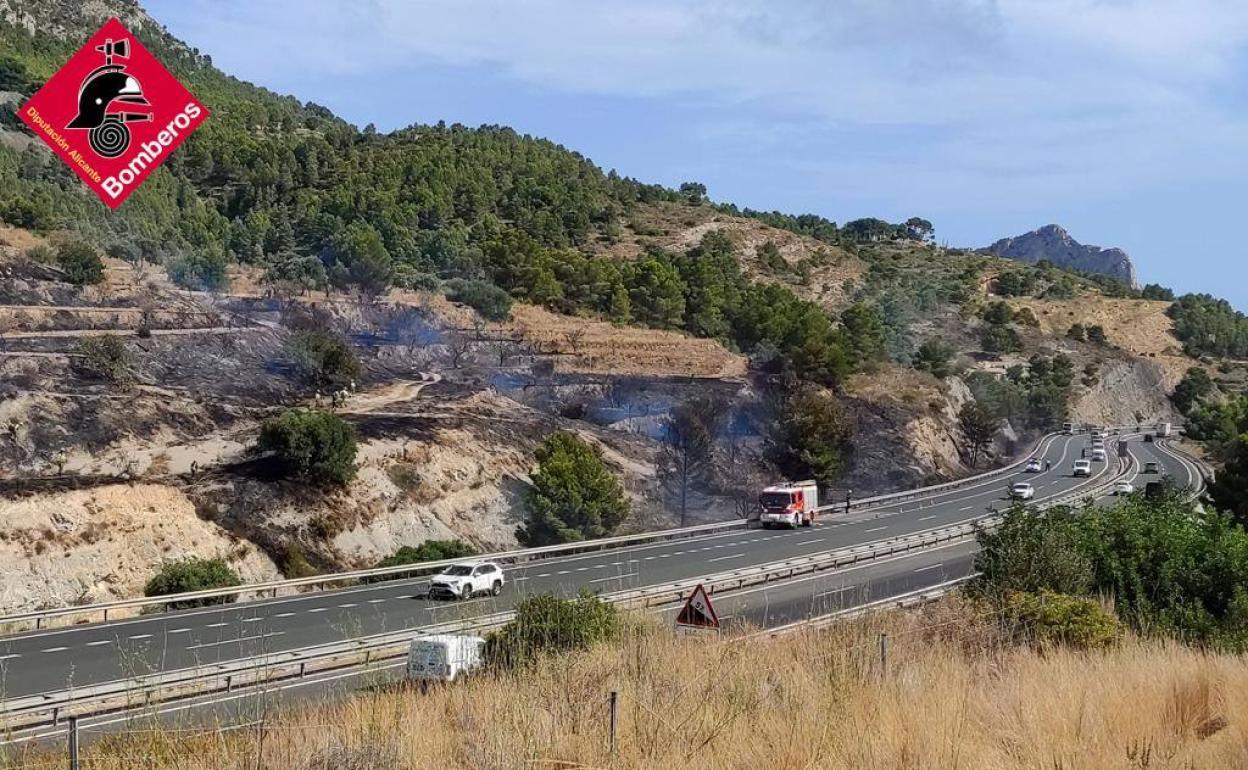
<point x="1098" y="455"/>
<point x="444" y="657"/>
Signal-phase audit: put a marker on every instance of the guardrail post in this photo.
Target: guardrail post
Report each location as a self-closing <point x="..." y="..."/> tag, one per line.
<point x="303" y="669"/>
<point x="883" y="654"/>
<point x="56" y="715"/>
<point x="73" y="743"/>
<point x="612" y="713"/>
<point x="229" y="683"/>
<point x="106" y="615"/>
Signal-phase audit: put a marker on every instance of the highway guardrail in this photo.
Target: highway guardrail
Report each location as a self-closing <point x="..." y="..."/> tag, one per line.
<point x="102" y="610"/>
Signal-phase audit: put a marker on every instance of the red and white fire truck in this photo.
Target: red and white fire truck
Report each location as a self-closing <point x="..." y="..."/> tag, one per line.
<point x="790" y="504"/>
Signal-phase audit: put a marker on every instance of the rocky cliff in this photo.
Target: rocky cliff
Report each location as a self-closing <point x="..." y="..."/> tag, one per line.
<point x="1053" y="243"/>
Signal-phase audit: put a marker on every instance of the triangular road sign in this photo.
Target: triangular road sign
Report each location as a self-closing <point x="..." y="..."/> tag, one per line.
<point x="698" y="612"/>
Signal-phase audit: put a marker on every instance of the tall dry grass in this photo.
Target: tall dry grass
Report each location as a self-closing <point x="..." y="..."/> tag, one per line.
<point x="955" y="695"/>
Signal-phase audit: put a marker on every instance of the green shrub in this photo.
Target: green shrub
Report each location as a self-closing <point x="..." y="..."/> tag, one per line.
<point x="311" y="444"/>
<point x="323" y="357"/>
<point x="546" y="624"/>
<point x="1047" y="619"/>
<point x="935" y="356"/>
<point x="1000" y="339"/>
<point x="430" y="550"/>
<point x="574" y="496"/>
<point x="193" y="574"/>
<point x="80" y="263"/>
<point x="104" y="357"/>
<point x="487" y="299"/>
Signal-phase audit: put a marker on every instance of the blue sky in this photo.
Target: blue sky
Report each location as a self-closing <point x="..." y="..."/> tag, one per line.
<point x="1126" y="121"/>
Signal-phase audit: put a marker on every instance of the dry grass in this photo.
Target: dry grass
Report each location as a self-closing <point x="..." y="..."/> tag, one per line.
<point x="953" y="697"/>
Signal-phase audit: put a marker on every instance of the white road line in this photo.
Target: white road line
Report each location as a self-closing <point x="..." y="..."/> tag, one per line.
<point x="284" y="615"/>
<point x="519" y="579"/>
<point x="99" y="642"/>
<point x="563" y="572"/>
<point x="876" y="529"/>
<point x="10" y="657"/>
<point x="966" y="508"/>
<point x="346" y="606"/>
<point x="926" y="518"/>
<point x="840" y="590"/>
<point x="581" y="569"/>
<point x="375" y="601"/>
<point x="930" y="567"/>
<point x="257" y="620"/>
<point x="730" y="556"/>
<point x="183" y="630"/>
<point x="614" y="577"/>
<point x="543" y="574"/>
<point x="815" y="540"/>
<point x="318" y="609"/>
<point x="238" y="640"/>
<point x="141" y="636"/>
<point x="55" y="649"/>
<point x="217" y="625"/>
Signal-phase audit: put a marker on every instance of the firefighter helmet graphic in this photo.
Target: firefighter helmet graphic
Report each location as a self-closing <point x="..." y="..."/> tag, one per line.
<point x="108" y="100"/>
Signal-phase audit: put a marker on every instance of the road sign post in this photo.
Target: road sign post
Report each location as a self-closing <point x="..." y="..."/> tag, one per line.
<point x="698" y="615"/>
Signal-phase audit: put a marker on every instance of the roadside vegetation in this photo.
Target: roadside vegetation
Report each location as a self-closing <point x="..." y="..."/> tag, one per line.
<point x="960" y="690"/>
<point x="193" y="574"/>
<point x="573" y="495"/>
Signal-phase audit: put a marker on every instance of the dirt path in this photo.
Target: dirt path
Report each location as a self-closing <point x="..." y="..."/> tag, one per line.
<point x="72" y="333"/>
<point x="395" y="393"/>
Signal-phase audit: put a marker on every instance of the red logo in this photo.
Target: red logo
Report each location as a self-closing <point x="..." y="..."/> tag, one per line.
<point x="113" y="113"/>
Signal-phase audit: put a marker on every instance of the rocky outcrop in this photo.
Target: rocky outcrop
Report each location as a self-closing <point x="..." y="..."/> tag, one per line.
<point x="1053" y="243"/>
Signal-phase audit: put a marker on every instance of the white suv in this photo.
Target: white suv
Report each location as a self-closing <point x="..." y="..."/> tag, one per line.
<point x="464" y="581"/>
<point x="1082" y="468"/>
<point x="1022" y="491"/>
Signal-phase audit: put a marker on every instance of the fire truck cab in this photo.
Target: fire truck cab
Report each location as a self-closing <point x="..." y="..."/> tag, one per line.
<point x="791" y="504"/>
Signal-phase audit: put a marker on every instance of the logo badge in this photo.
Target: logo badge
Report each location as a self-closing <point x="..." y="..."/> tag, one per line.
<point x="113" y="113"/>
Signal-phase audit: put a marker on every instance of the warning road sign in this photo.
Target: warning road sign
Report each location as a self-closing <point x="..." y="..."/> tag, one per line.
<point x="698" y="613"/>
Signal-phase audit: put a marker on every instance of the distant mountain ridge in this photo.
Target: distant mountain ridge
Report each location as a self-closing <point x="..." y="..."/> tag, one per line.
<point x="1053" y="243"/>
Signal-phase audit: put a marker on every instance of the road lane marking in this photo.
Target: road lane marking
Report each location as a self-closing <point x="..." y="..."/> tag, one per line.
<point x="614" y="577"/>
<point x="346" y="606"/>
<point x="238" y="640"/>
<point x="966" y="508"/>
<point x="55" y="649"/>
<point x="99" y="642"/>
<point x="284" y="615"/>
<point x="318" y="609"/>
<point x="563" y="572"/>
<point x="257" y="620"/>
<point x="375" y="601"/>
<point x="730" y="556"/>
<point x="141" y="636"/>
<point x="877" y="529"/>
<point x="840" y="590"/>
<point x="217" y="625"/>
<point x="925" y="518"/>
<point x="930" y="567"/>
<point x="543" y="574"/>
<point x="177" y="631"/>
<point x="10" y="657"/>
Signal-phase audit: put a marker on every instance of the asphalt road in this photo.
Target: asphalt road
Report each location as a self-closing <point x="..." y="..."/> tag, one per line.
<point x="52" y="660"/>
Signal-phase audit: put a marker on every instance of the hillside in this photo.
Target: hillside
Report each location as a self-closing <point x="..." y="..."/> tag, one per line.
<point x="493" y="288"/>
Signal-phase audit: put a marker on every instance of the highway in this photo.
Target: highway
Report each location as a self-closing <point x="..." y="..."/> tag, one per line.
<point x="49" y="660"/>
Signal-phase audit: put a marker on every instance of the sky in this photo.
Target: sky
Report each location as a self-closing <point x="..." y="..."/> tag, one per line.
<point x="1125" y="121"/>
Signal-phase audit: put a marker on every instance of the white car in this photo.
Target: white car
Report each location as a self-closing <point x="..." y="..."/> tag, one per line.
<point x="464" y="581"/>
<point x="1034" y="466"/>
<point x="1123" y="488"/>
<point x="1022" y="491"/>
<point x="1082" y="468"/>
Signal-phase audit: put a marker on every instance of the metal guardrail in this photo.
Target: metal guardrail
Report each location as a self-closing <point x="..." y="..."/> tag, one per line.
<point x="50" y="708"/>
<point x="274" y="587"/>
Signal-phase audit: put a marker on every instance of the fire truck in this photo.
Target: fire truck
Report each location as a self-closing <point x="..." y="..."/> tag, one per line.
<point x="790" y="504"/>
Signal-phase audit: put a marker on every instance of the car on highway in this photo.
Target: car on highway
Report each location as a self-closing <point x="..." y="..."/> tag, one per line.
<point x="1148" y="438"/>
<point x="1022" y="491"/>
<point x="1082" y="468"/>
<point x="1098" y="454"/>
<point x="1034" y="465"/>
<point x="1123" y="488"/>
<point x="464" y="581"/>
<point x="1150" y="467"/>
